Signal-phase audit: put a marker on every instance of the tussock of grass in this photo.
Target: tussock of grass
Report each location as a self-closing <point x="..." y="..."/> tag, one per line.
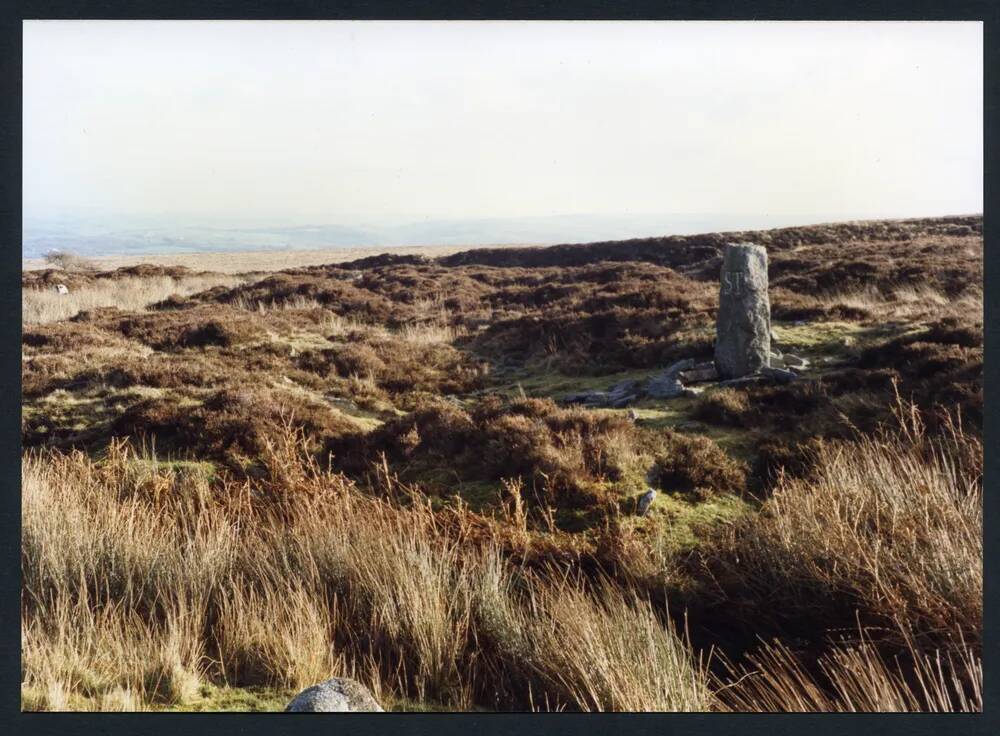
<point x="855" y="678"/>
<point x="886" y="531"/>
<point x="614" y="653"/>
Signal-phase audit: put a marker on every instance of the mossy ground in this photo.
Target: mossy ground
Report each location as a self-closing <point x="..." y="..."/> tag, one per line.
<point x="679" y="522"/>
<point x="220" y="699"/>
<point x="678" y="519"/>
<point x="211" y="699"/>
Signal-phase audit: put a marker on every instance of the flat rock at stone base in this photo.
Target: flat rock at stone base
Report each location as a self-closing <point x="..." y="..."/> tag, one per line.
<point x="687" y="426"/>
<point x="745" y="380"/>
<point x="700" y="372"/>
<point x="622" y="402"/>
<point x="595" y="398"/>
<point x="666" y="387"/>
<point x="781" y="375"/>
<point x="681" y="365"/>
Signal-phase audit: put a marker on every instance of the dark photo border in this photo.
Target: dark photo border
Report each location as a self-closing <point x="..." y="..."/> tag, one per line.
<point x="12" y="721"/>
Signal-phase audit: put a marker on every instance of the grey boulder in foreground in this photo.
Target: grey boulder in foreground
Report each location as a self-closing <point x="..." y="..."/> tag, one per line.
<point x="336" y="695"/>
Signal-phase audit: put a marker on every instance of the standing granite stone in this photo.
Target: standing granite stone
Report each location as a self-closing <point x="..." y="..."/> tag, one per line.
<point x="743" y="326"/>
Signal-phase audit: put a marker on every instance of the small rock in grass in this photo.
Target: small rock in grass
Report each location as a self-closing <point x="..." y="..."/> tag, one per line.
<point x="781" y="375"/>
<point x="336" y="695"/>
<point x="645" y="501"/>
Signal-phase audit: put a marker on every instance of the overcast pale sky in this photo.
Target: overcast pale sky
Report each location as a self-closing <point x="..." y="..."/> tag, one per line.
<point x="336" y="121"/>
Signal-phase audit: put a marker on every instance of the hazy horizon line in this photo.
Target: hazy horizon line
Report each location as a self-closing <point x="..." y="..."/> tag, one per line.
<point x="494" y="231"/>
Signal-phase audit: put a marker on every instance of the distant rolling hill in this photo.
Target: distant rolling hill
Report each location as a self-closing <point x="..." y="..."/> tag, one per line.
<point x="120" y="236"/>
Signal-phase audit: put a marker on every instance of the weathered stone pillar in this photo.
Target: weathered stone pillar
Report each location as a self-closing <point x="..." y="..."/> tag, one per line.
<point x="743" y="325"/>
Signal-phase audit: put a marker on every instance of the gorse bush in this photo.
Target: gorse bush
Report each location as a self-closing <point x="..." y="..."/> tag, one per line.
<point x="696" y="465"/>
<point x="723" y="406"/>
<point x="565" y="457"/>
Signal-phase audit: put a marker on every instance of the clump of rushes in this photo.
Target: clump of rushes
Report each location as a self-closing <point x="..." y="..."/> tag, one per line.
<point x="885" y="533"/>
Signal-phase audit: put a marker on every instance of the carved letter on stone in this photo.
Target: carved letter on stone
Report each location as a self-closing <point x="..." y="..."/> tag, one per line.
<point x="743" y="325"/>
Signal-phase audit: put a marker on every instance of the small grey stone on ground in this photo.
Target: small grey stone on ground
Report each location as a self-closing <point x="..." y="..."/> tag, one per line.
<point x="645" y="501"/>
<point x="336" y="695"/>
<point x="781" y="375"/>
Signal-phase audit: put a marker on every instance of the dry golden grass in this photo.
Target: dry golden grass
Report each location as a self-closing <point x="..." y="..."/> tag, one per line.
<point x="435" y="329"/>
<point x="907" y="302"/>
<point x="886" y="530"/>
<point x="133" y="294"/>
<point x="145" y="584"/>
<point x="891" y="522"/>
<point x="612" y="652"/>
<point x="140" y="586"/>
<point x="264" y="260"/>
<point x="855" y="678"/>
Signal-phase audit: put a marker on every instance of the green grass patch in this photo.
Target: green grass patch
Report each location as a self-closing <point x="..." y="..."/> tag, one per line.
<point x="677" y="414"/>
<point x="215" y="699"/>
<point x="540" y="382"/>
<point x="835" y="339"/>
<point x="678" y="522"/>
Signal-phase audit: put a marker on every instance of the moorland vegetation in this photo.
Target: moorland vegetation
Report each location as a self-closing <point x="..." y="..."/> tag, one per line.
<point x="235" y="486"/>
